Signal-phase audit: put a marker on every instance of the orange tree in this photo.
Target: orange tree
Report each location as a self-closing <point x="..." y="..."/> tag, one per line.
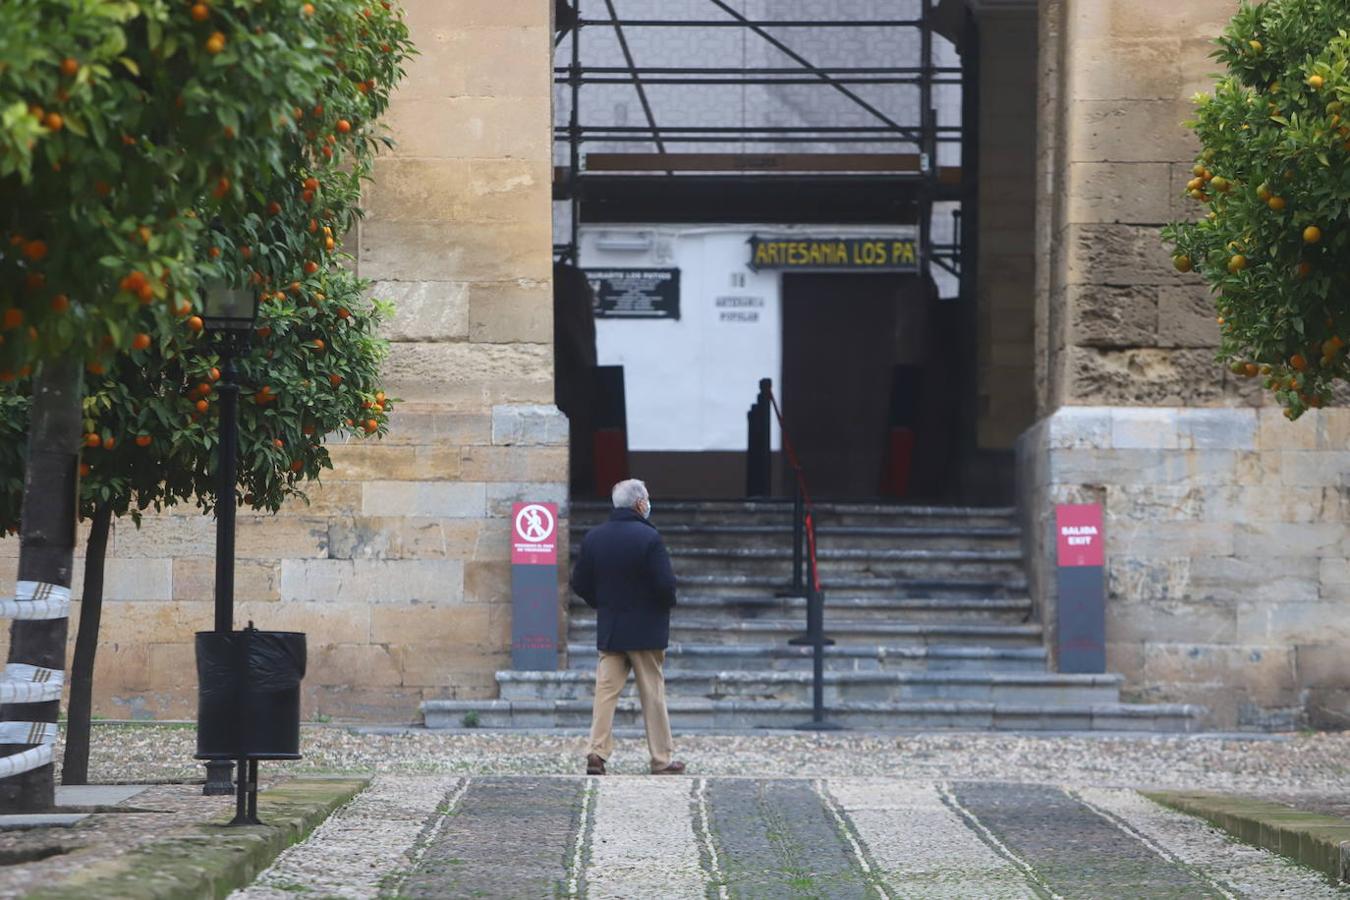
<point x="150" y="435"/>
<point x="136" y="139"/>
<point x="1273" y="179"/>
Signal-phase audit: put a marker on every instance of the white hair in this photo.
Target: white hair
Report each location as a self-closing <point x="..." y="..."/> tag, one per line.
<point x="628" y="494"/>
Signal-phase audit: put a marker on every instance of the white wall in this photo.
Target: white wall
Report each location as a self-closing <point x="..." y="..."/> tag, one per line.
<point x="690" y="382"/>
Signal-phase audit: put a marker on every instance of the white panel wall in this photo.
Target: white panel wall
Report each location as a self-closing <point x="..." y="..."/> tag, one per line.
<point x="690" y="382"/>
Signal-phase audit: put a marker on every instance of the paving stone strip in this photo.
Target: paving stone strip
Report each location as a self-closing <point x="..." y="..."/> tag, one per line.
<point x="361" y="847"/>
<point x="1073" y="850"/>
<point x="506" y="837"/>
<point x="1240" y="868"/>
<point x="776" y="839"/>
<point x="921" y="848"/>
<point x="643" y="843"/>
<point x="205" y="860"/>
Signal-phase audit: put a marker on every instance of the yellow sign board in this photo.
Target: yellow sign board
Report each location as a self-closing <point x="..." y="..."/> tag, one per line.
<point x="871" y="254"/>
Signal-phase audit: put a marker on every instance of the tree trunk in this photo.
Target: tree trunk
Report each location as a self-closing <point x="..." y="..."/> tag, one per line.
<point x="75" y="768"/>
<point x="46" y="554"/>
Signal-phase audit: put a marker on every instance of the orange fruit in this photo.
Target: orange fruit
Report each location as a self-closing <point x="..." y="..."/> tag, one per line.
<point x="1237" y="263"/>
<point x="84" y="470"/>
<point x="70" y="67"/>
<point x="214" y="253"/>
<point x="109" y="442"/>
<point x="195" y="324"/>
<point x="35" y="250"/>
<point x="202" y="406"/>
<point x="1276" y="203"/>
<point x="372" y="426"/>
<point x="60" y="303"/>
<point x="215" y="43"/>
<point x="311" y="183"/>
<point x="311" y="267"/>
<point x="274" y="208"/>
<point x="222" y="188"/>
<point x="1182" y="263"/>
<point x="92" y="440"/>
<point x="1304" y="269"/>
<point x="54" y="121"/>
<point x="140" y="342"/>
<point x="379" y="396"/>
<point x="343" y="312"/>
<point x="1315" y="82"/>
<point x="278" y="443"/>
<point x="204" y="389"/>
<point x="335" y="380"/>
<point x="142" y="440"/>
<point x="307" y="195"/>
<point x="146" y="294"/>
<point x="319" y="345"/>
<point x="1298" y="362"/>
<point x="214" y="374"/>
<point x="1312" y="234"/>
<point x="200" y="12"/>
<point x="307" y="10"/>
<point x="343" y="126"/>
<point x="246" y="252"/>
<point x="297" y="465"/>
<point x="12" y="319"/>
<point x="95" y="368"/>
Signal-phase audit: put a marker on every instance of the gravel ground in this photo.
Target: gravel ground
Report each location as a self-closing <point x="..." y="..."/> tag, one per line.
<point x="1288" y="764"/>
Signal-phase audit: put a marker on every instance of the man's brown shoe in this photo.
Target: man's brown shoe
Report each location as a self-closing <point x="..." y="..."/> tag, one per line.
<point x="595" y="765"/>
<point x="675" y="768"/>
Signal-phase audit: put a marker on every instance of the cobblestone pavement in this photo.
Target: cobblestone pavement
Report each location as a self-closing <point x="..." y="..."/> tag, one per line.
<point x="1255" y="764"/>
<point x="729" y="837"/>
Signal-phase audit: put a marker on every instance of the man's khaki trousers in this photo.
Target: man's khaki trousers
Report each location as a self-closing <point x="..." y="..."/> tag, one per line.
<point x="610" y="676"/>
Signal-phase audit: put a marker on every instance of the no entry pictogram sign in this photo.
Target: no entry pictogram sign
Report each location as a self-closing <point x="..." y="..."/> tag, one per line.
<point x="534" y="586"/>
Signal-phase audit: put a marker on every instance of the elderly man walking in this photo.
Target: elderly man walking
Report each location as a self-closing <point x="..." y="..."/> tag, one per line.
<point x="623" y="572"/>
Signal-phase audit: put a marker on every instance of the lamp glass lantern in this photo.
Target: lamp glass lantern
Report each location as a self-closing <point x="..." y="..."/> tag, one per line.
<point x="227" y="310"/>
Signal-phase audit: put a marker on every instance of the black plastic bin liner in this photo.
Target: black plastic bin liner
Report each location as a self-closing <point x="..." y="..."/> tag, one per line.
<point x="248" y="694"/>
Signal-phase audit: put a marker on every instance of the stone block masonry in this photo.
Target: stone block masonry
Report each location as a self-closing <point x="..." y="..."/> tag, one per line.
<point x="1226" y="546"/>
<point x="397" y="568"/>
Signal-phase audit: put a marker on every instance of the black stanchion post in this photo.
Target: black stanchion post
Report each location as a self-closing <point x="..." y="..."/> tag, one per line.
<point x="798" y="535"/>
<point x="218" y="771"/>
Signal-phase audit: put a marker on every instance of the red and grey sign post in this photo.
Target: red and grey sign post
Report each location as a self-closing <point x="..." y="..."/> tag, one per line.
<point x="534" y="587"/>
<point x="1081" y="552"/>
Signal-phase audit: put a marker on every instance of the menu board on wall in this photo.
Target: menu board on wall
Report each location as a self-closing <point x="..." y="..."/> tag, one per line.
<point x="635" y="293"/>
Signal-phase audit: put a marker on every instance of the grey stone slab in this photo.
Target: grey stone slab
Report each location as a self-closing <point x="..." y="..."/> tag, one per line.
<point x="776" y="839"/>
<point x="97" y="794"/>
<point x="40" y="820"/>
<point x="507" y="837"/>
<point x="1075" y="851"/>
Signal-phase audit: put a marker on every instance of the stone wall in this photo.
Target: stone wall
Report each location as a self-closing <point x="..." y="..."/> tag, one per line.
<point x="398" y="569"/>
<point x="1226" y="552"/>
<point x="1116" y="323"/>
<point x="1226" y="537"/>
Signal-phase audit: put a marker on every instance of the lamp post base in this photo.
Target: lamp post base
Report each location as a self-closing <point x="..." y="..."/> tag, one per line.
<point x="219" y="778"/>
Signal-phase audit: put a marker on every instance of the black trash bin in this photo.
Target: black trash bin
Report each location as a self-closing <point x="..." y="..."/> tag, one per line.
<point x="248" y="704"/>
<point x="248" y="694"/>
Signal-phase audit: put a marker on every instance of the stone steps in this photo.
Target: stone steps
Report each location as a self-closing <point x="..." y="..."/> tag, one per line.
<point x="693" y="713"/>
<point x="840" y="657"/>
<point x="778" y="512"/>
<point x="1009" y="610"/>
<point x="929" y="607"/>
<point x="841" y="688"/>
<point x="768" y="630"/>
<point x="849" y="537"/>
<point x="858" y="585"/>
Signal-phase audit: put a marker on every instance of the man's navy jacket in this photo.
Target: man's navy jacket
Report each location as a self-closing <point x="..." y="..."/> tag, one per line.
<point x="623" y="572"/>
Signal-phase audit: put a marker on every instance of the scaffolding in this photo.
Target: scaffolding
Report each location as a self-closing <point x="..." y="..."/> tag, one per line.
<point x="898" y="156"/>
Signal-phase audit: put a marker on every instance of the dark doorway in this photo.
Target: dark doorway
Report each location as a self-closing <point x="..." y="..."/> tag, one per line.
<point x="839" y="349"/>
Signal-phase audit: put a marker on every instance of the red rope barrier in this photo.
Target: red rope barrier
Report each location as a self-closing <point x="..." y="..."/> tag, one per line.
<point x="796" y="465"/>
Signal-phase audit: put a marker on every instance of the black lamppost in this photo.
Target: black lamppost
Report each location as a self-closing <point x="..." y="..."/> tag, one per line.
<point x="228" y="316"/>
